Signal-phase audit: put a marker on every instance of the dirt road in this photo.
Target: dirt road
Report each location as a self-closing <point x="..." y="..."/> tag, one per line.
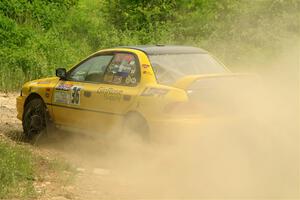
<point x="103" y="169"/>
<point x="93" y="178"/>
<point x="88" y="178"/>
<point x="258" y="160"/>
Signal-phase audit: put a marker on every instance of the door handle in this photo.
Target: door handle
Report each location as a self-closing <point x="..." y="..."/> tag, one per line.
<point x="126" y="97"/>
<point x="87" y="93"/>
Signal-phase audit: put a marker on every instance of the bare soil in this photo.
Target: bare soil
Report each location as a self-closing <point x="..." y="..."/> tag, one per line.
<point x="101" y="169"/>
<point x="256" y="159"/>
<point x="84" y="182"/>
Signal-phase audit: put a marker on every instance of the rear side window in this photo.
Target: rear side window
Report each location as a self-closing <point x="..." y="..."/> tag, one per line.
<point x="123" y="70"/>
<point x="169" y="68"/>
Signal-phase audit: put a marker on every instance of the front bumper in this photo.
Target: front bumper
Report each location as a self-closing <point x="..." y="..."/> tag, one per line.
<point x="20" y="106"/>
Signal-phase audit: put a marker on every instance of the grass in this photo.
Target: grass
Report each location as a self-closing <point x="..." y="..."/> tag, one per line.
<point x="16" y="172"/>
<point x="21" y="169"/>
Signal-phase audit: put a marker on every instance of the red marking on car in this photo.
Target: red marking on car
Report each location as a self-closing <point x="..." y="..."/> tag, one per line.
<point x="64" y="87"/>
<point x="145" y="66"/>
<point x="43" y="82"/>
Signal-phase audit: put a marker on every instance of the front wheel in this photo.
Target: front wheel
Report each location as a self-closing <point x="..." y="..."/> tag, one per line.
<point x="34" y="120"/>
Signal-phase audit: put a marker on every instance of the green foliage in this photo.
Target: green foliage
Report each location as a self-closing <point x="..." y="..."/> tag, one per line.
<point x="29" y="42"/>
<point x="239" y="31"/>
<point x="139" y="14"/>
<point x="37" y="36"/>
<point x="16" y="172"/>
<point x="145" y="19"/>
<point x="41" y="12"/>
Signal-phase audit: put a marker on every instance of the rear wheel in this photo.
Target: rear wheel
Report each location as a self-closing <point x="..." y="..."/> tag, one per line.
<point x="34" y="120"/>
<point x="136" y="126"/>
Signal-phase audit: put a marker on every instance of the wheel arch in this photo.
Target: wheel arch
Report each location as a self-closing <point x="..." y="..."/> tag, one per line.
<point x="31" y="97"/>
<point x="137" y="113"/>
<point x="141" y="124"/>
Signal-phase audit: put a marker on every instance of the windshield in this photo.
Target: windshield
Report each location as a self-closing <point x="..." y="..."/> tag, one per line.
<point x="168" y="68"/>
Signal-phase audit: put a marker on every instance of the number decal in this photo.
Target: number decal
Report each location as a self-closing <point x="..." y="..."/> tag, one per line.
<point x="75" y="96"/>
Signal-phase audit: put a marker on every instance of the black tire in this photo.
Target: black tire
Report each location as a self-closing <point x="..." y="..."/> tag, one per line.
<point x="34" y="120"/>
<point x="136" y="126"/>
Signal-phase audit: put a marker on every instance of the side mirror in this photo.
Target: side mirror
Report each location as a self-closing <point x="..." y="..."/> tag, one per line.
<point x="61" y="73"/>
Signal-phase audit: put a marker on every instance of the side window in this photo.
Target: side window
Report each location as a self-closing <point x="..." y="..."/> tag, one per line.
<point x="91" y="70"/>
<point x="123" y="70"/>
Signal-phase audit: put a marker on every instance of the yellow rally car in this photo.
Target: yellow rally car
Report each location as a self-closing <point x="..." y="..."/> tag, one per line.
<point x="137" y="88"/>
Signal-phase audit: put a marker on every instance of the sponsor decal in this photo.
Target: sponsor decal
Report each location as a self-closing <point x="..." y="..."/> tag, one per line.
<point x="67" y="94"/>
<point x="62" y="96"/>
<point x="154" y="92"/>
<point x="124" y="68"/>
<point x="122" y="74"/>
<point x="110" y="94"/>
<point x="133" y="70"/>
<point x="130" y="80"/>
<point x="117" y="79"/>
<point x="123" y="57"/>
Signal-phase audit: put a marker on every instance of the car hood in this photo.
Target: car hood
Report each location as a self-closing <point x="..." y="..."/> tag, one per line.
<point x="43" y="81"/>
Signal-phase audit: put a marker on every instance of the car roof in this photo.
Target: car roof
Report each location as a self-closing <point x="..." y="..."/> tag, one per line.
<point x="166" y="49"/>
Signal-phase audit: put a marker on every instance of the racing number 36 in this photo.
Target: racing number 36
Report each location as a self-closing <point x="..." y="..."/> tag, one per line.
<point x="75" y="98"/>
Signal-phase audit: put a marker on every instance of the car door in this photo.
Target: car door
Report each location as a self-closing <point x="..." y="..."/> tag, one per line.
<point x="72" y="97"/>
<point x="116" y="94"/>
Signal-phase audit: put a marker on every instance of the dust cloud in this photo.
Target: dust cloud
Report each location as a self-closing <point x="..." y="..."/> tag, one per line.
<point x="249" y="151"/>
